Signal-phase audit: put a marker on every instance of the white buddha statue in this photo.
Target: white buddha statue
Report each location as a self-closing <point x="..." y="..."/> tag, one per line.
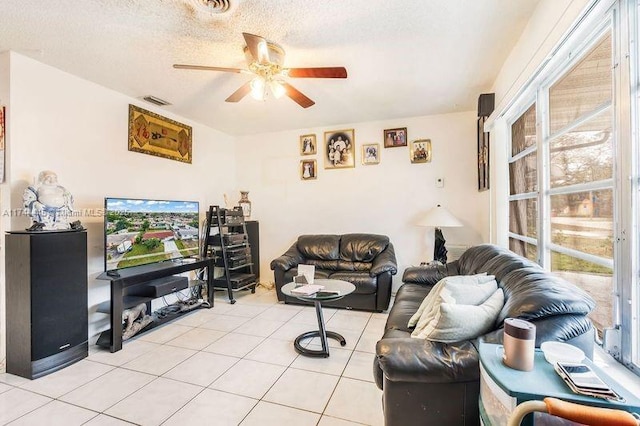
<point x="48" y="203"/>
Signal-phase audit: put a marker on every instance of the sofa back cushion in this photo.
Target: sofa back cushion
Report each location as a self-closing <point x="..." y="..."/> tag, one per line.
<point x="362" y="247"/>
<point x="344" y="265"/>
<point x="530" y="292"/>
<point x="329" y="265"/>
<point x="493" y="260"/>
<point x="319" y="247"/>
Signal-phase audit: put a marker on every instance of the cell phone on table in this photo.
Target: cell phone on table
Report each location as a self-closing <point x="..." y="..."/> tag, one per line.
<point x="583" y="377"/>
<point x="327" y="293"/>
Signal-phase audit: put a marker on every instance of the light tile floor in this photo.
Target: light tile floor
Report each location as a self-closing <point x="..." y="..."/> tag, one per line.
<point x="229" y="365"/>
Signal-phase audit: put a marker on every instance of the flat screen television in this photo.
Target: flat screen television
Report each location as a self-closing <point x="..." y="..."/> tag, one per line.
<point x="138" y="232"/>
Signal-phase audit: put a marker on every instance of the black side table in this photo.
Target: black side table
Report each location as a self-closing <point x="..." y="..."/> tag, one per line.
<point x="343" y="288"/>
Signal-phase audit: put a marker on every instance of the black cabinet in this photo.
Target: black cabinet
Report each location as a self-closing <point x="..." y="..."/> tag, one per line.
<point x="47" y="314"/>
<point x="253" y="232"/>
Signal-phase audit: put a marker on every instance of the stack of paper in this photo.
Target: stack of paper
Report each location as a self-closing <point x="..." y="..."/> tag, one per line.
<point x="308" y="289"/>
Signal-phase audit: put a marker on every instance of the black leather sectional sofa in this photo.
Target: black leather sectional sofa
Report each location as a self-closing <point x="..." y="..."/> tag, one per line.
<point x="431" y="383"/>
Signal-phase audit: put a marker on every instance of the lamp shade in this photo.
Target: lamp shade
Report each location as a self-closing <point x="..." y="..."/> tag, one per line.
<point x="439" y="217"/>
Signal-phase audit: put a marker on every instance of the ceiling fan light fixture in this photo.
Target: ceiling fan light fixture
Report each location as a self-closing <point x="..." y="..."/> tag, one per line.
<point x="277" y="89"/>
<point x="258" y="89"/>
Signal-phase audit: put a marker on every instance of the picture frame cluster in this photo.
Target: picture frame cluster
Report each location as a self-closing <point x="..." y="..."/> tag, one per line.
<point x="308" y="167"/>
<point x="339" y="150"/>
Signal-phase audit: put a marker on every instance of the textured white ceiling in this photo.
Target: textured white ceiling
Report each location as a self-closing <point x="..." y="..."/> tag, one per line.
<point x="404" y="57"/>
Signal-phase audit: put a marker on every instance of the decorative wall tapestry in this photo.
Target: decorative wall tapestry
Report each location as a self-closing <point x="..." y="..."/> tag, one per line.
<point x="153" y="134"/>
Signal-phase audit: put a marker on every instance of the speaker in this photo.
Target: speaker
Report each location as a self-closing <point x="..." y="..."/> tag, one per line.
<point x="486" y="104"/>
<point x="253" y="233"/>
<point x="47" y="314"/>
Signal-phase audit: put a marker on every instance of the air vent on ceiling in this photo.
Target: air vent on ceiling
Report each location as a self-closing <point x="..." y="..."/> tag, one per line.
<point x="156" y="101"/>
<point x="213" y="6"/>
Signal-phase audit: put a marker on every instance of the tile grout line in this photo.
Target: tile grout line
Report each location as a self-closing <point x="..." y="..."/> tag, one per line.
<point x="290" y="320"/>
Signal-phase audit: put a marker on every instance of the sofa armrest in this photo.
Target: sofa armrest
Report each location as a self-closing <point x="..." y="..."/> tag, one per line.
<point x="291" y="258"/>
<point x="419" y="360"/>
<point x="385" y="262"/>
<point x="429" y="275"/>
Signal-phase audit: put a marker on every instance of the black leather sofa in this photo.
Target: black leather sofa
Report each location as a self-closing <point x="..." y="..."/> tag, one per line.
<point x="366" y="260"/>
<point x="430" y="383"/>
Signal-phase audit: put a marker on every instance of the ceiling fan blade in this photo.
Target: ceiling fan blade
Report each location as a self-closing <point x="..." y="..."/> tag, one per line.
<point x="240" y="93"/>
<point x="258" y="47"/>
<point x="321" y="72"/>
<point x="297" y="96"/>
<point x="206" y="68"/>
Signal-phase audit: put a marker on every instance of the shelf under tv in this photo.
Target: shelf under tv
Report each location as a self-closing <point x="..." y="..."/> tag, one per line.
<point x="127" y="279"/>
<point x="104" y="340"/>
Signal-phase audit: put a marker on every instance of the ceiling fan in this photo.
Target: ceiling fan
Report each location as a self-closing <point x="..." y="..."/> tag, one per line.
<point x="266" y="60"/>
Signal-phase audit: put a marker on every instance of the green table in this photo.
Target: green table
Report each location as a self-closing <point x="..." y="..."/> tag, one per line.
<point x="502" y="388"/>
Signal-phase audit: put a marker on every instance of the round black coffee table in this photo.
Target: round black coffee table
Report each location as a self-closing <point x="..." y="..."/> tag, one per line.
<point x="343" y="288"/>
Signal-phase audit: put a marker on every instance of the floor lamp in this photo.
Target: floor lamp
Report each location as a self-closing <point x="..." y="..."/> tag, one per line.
<point x="439" y="217"/>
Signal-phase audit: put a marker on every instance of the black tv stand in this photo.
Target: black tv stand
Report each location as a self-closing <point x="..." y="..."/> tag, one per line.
<point x="137" y="275"/>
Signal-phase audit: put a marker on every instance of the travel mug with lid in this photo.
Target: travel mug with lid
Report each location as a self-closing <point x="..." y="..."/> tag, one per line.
<point x="519" y="344"/>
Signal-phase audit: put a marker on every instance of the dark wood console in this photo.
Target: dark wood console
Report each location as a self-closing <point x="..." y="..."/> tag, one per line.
<point x="127" y="278"/>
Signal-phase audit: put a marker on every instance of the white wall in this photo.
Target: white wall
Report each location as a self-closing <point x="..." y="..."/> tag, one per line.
<point x="551" y="20"/>
<point x="79" y="129"/>
<point x="546" y="27"/>
<point x="387" y="198"/>
<point x="4" y="200"/>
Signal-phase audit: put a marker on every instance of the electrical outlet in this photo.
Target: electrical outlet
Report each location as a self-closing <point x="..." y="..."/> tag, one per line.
<point x="439" y="182"/>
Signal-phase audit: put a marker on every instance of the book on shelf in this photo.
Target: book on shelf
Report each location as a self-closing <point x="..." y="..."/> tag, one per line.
<point x="307" y="289"/>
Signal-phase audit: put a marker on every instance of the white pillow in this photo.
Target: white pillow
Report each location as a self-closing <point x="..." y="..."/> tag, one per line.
<point x="430" y="300"/>
<point x="455" y="323"/>
<point x="457" y="294"/>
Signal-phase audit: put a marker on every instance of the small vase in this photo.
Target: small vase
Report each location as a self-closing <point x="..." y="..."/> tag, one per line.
<point x="245" y="204"/>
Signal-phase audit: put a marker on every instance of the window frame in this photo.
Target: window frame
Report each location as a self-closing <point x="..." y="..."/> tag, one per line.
<point x="622" y="19"/>
<point x="535" y="195"/>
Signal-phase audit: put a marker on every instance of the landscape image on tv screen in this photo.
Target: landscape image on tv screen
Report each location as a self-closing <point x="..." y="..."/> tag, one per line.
<point x="138" y="232"/>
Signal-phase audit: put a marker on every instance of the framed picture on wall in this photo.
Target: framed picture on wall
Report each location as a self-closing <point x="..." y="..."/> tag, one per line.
<point x="308" y="169"/>
<point x="370" y="153"/>
<point x="308" y="145"/>
<point x="339" y="148"/>
<point x="421" y="151"/>
<point x="153" y="134"/>
<point x="483" y="155"/>
<point x="395" y="137"/>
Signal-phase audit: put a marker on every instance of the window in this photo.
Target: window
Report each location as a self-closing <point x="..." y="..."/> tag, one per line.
<point x="574" y="168"/>
<point x="523" y="182"/>
<point x="561" y="197"/>
<point x="580" y="171"/>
